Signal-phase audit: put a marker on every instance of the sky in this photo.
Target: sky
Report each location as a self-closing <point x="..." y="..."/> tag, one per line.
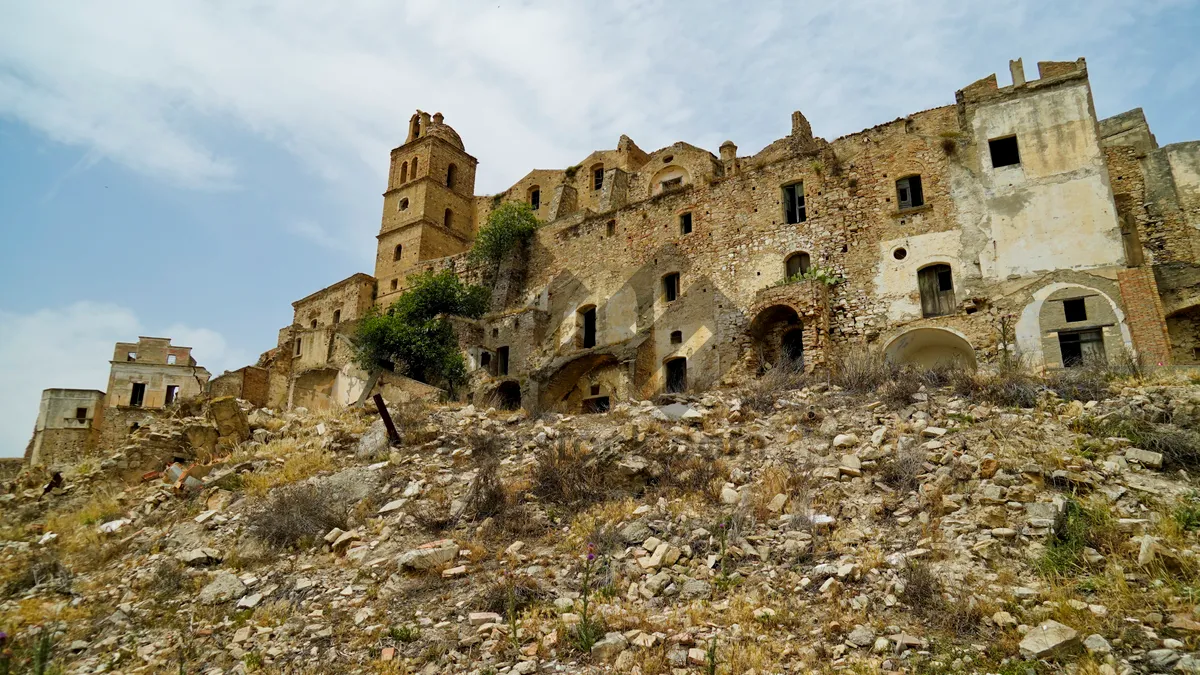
<point x="188" y="169"/>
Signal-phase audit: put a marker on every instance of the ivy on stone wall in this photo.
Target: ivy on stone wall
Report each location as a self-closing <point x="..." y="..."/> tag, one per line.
<point x="413" y="336"/>
<point x="508" y="226"/>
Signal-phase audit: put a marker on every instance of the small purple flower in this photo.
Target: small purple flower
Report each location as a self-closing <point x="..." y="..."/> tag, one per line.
<point x="591" y="556"/>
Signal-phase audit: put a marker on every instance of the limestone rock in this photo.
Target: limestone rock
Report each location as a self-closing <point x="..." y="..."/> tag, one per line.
<point x="230" y="420"/>
<point x="1049" y="639"/>
<point x="223" y="588"/>
<point x="428" y="556"/>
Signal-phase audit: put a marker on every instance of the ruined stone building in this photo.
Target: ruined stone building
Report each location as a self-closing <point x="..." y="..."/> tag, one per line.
<point x="145" y="377"/>
<point x="1011" y="217"/>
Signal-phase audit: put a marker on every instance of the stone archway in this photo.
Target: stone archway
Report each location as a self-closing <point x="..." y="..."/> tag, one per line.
<point x="931" y="347"/>
<point x="578" y="384"/>
<point x="777" y="334"/>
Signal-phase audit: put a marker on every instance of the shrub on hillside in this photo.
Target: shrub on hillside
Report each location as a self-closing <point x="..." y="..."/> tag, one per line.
<point x="295" y="514"/>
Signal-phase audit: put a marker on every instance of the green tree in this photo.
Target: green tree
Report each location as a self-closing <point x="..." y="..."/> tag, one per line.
<point x="508" y="226"/>
<point x="413" y="336"/>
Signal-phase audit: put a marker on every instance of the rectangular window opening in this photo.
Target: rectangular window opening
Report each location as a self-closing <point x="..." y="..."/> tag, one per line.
<point x="297" y="346"/>
<point x="595" y="389"/>
<point x="1004" y="152"/>
<point x="1075" y="310"/>
<point x="1081" y="347"/>
<point x="170" y="359"/>
<point x="172" y="394"/>
<point x="685" y="223"/>
<point x="502" y="361"/>
<point x="908" y="193"/>
<point x="793" y="203"/>
<point x="138" y="394"/>
<point x="671" y="287"/>
<point x="81" y="413"/>
<point x="131" y="356"/>
<point x="589" y="328"/>
<point x="611" y="228"/>
<point x="535" y="199"/>
<point x="598" y="179"/>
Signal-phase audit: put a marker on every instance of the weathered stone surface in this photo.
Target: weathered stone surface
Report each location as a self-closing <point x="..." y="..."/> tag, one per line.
<point x="1049" y="639"/>
<point x="223" y="587"/>
<point x="230" y="420"/>
<point x="429" y="556"/>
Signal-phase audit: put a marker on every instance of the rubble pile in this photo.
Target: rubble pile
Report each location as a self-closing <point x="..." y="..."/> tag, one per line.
<point x="827" y="532"/>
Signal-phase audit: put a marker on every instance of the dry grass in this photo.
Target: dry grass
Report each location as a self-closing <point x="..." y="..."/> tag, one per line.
<point x="571" y="474"/>
<point x="675" y="474"/>
<point x="762" y="393"/>
<point x="295" y="464"/>
<point x="487" y="496"/>
<point x="294" y="515"/>
<point x="902" y="471"/>
<point x="862" y="370"/>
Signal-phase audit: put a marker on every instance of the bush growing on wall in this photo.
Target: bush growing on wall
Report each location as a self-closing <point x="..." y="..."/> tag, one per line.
<point x="508" y="226"/>
<point x="413" y="336"/>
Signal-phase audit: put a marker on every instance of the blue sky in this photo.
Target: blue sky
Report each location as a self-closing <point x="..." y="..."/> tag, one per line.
<point x="188" y="169"/>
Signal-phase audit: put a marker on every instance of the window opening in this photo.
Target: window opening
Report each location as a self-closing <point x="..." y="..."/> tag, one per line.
<point x="797" y="264"/>
<point x="172" y="394"/>
<point x="936" y="284"/>
<point x="676" y="337"/>
<point x="611" y="228"/>
<point x="131" y="356"/>
<point x="138" y="394"/>
<point x="297" y="346"/>
<point x="597" y="404"/>
<point x="485" y="359"/>
<point x="447" y="219"/>
<point x="314" y="324"/>
<point x="414" y="173"/>
<point x="535" y="199"/>
<point x="1075" y="310"/>
<point x="685" y="223"/>
<point x="170" y="359"/>
<point x="793" y="203"/>
<point x="908" y="193"/>
<point x="1081" y="347"/>
<point x="792" y="345"/>
<point x="337" y="316"/>
<point x="404" y="173"/>
<point x="589" y="327"/>
<point x="403" y="205"/>
<point x="451" y="174"/>
<point x="598" y="178"/>
<point x="395" y="284"/>
<point x="671" y="286"/>
<point x="81" y="413"/>
<point x="502" y="360"/>
<point x="1004" y="151"/>
<point x="397" y="251"/>
<point x="900" y="253"/>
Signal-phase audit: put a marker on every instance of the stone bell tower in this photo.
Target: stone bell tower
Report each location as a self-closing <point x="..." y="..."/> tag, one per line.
<point x="428" y="208"/>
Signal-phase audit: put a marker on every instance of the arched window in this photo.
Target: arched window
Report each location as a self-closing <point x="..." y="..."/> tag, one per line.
<point x="337" y="316"/>
<point x="414" y="173"/>
<point x="796" y="264"/>
<point x="416" y="127"/>
<point x="396" y="253"/>
<point x="404" y="173"/>
<point x="535" y="197"/>
<point x="314" y="324"/>
<point x="597" y="176"/>
<point x="451" y="174"/>
<point x="936" y="283"/>
<point x="447" y="219"/>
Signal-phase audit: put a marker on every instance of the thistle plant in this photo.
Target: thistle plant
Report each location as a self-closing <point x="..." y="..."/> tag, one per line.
<point x="588" y="632"/>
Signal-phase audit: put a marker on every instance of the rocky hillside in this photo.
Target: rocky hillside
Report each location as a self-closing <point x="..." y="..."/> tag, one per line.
<point x="926" y="526"/>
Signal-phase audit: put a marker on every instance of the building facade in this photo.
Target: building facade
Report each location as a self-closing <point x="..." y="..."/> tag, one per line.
<point x="1012" y="219"/>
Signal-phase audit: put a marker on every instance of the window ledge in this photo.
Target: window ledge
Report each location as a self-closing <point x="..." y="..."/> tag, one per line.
<point x="916" y="209"/>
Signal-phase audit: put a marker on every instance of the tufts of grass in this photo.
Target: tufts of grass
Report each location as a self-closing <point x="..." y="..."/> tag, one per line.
<point x="1179" y="447"/>
<point x="761" y="394"/>
<point x="1078" y="526"/>
<point x="571" y="474"/>
<point x="902" y="471"/>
